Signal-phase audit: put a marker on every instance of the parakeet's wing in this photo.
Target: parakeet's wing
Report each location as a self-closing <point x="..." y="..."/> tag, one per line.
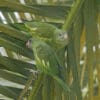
<point x="47" y="59"/>
<point x="47" y="62"/>
<point x="40" y="29"/>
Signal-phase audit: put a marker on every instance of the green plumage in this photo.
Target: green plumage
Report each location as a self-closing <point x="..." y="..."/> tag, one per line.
<point x="46" y="60"/>
<point x="48" y="33"/>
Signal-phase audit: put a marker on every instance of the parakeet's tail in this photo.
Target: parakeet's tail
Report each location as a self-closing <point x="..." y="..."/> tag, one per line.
<point x="62" y="84"/>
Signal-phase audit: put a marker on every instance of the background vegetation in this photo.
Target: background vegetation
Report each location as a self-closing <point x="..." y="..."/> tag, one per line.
<point x="80" y="18"/>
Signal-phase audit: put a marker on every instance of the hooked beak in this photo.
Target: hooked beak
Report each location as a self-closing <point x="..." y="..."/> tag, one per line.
<point x="28" y="44"/>
<point x="66" y="36"/>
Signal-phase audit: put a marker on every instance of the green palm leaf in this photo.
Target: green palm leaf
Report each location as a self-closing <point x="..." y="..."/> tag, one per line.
<point x="77" y="17"/>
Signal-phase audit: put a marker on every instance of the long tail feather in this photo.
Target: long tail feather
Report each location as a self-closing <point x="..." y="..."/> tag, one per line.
<point x="62" y="84"/>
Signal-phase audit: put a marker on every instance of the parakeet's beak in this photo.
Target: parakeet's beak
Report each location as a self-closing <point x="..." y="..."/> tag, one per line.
<point x="28" y="44"/>
<point x="66" y="36"/>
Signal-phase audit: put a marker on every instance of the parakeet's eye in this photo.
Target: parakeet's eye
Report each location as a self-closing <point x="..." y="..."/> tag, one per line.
<point x="60" y="34"/>
<point x="30" y="40"/>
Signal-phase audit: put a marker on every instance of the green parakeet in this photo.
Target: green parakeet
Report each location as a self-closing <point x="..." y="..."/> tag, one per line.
<point x="46" y="60"/>
<point x="48" y="33"/>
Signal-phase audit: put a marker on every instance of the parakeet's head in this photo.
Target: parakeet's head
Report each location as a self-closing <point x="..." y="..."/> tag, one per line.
<point x="33" y="43"/>
<point x="61" y="37"/>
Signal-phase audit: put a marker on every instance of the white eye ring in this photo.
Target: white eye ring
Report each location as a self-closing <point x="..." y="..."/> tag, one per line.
<point x="60" y="34"/>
